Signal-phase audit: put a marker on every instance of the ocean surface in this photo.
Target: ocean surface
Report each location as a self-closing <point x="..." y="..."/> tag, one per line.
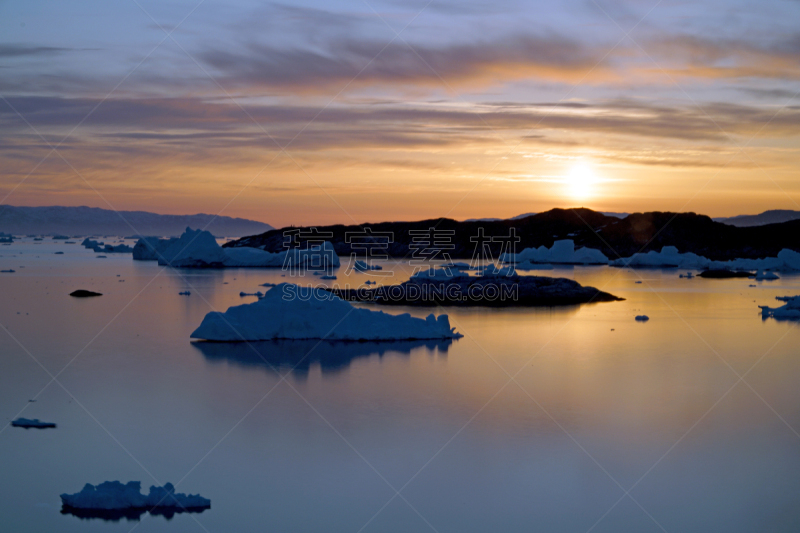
<point x="570" y="419"/>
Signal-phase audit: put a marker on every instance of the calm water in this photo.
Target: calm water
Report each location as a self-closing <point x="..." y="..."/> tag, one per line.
<point x="600" y="405"/>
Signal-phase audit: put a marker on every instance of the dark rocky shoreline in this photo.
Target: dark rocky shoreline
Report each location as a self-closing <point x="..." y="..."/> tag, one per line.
<point x="484" y="291"/>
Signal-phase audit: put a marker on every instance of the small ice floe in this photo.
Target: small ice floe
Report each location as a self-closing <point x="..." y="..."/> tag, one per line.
<point x="83" y="293"/>
<point x="642" y="318"/>
<point x="724" y="273"/>
<point x="8" y="271"/>
<point x="369" y="282"/>
<point x="762" y="275"/>
<point x="58" y="253"/>
<point x="688" y="275"/>
<point x="28" y="423"/>
<point x="293" y="312"/>
<point x="185" y="293"/>
<point x="321" y="277"/>
<point x="268" y="284"/>
<point x="363" y="266"/>
<point x="637" y="282"/>
<point x="752" y="285"/>
<point x="259" y="294"/>
<point x="789" y="311"/>
<point x="113" y="495"/>
<point x="100" y="256"/>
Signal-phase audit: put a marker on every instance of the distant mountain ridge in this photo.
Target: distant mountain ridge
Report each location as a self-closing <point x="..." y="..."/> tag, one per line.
<point x="615" y="237"/>
<point x="773" y="216"/>
<point x="526" y="215"/>
<point x="50" y="220"/>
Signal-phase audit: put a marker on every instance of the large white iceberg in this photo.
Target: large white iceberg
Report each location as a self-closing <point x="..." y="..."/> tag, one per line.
<point x="114" y="495"/>
<point x="562" y="251"/>
<point x="199" y="249"/>
<point x="670" y="257"/>
<point x="289" y="311"/>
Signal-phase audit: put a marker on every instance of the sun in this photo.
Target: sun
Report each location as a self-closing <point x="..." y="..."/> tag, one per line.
<point x="580" y="182"/>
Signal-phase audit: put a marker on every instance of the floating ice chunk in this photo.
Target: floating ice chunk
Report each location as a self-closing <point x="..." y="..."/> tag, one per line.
<point x="28" y="423"/>
<point x="111" y="249"/>
<point x="787" y="260"/>
<point x="766" y="276"/>
<point x="199" y="249"/>
<point x="258" y="294"/>
<point x="667" y="257"/>
<point x="113" y="495"/>
<point x="642" y="318"/>
<point x="363" y="266"/>
<point x="293" y="312"/>
<point x="185" y="293"/>
<point x="323" y="277"/>
<point x="789" y="311"/>
<point x="562" y="251"/>
<point x="195" y="248"/>
<point x="149" y="248"/>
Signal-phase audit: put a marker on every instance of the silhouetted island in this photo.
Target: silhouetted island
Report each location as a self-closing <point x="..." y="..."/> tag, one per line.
<point x="483" y="291"/>
<point x="615" y="237"/>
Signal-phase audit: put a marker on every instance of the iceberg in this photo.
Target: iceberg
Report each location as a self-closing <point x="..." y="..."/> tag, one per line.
<point x="28" y="423"/>
<point x="562" y="251"/>
<point x="101" y="247"/>
<point x="149" y="248"/>
<point x="786" y="260"/>
<point x="292" y="312"/>
<point x="766" y="276"/>
<point x="789" y="311"/>
<point x="199" y="249"/>
<point x="642" y="318"/>
<point x="113" y="495"/>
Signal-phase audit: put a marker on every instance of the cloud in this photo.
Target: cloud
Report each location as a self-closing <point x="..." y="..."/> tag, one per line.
<point x="22" y="50"/>
<point x="196" y="120"/>
<point x="374" y="62"/>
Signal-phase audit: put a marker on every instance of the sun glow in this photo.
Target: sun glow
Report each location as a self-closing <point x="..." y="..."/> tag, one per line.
<point x="581" y="182"/>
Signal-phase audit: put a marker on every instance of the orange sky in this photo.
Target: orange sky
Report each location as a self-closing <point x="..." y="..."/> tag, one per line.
<point x="401" y="113"/>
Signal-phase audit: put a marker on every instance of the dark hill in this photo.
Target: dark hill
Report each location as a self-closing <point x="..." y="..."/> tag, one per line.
<point x="615" y="237"/>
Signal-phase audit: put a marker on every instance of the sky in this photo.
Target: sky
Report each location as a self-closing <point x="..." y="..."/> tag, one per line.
<point x="318" y="112"/>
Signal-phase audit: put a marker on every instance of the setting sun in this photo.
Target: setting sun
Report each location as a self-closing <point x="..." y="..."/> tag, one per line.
<point x="581" y="182"/>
